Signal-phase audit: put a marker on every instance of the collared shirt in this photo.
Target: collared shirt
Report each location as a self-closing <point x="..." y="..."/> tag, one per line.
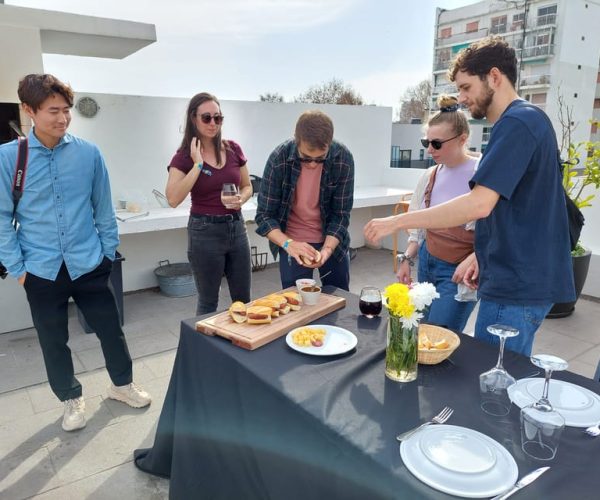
<point x="65" y="213"/>
<point x="336" y="193"/>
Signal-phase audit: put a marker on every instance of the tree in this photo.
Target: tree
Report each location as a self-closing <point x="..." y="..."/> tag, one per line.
<point x="271" y="97"/>
<point x="415" y="102"/>
<point x="331" y="92"/>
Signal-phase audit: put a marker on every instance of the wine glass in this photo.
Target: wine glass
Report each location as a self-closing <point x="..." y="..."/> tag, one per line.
<point x="541" y="424"/>
<point x="494" y="384"/>
<point x="370" y="301"/>
<point x="229" y="195"/>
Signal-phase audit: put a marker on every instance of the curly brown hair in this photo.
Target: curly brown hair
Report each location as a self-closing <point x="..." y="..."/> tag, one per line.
<point x="34" y="89"/>
<point x="481" y="56"/>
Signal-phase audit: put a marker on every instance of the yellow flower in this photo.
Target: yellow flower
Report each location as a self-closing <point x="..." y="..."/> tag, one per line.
<point x="398" y="301"/>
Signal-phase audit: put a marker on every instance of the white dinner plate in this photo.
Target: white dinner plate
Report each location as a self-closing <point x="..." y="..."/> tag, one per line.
<point x="337" y="341"/>
<point x="459" y="461"/>
<point x="579" y="406"/>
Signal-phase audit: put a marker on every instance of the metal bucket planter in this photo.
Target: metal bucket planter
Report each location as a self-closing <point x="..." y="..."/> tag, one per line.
<point x="175" y="280"/>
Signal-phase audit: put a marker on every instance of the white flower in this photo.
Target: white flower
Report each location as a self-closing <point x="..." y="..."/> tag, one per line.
<point x="422" y="295"/>
<point x="412" y="320"/>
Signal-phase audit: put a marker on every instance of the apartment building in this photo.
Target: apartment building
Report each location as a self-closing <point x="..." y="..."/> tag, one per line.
<point x="558" y="49"/>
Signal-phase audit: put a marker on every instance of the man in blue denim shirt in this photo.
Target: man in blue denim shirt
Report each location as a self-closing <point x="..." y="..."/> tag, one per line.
<point x="304" y="203"/>
<point x="65" y="243"/>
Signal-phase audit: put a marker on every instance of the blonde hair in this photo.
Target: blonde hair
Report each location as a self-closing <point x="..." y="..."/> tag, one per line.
<point x="450" y="113"/>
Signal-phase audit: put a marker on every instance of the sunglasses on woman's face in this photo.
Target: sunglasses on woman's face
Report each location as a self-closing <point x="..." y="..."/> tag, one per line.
<point x="207" y="117"/>
<point x="436" y="143"/>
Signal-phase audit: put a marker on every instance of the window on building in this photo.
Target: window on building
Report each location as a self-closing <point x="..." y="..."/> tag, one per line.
<point x="472" y="27"/>
<point x="498" y="25"/>
<point x="421" y="154"/>
<point x="517" y="21"/>
<point x="594" y="129"/>
<point x="596" y="103"/>
<point x="485" y="135"/>
<point x="546" y="15"/>
<point x="400" y="157"/>
<point x="483" y="146"/>
<point x="446" y="32"/>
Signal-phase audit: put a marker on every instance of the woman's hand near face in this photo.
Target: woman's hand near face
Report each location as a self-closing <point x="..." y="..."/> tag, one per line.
<point x="196" y="151"/>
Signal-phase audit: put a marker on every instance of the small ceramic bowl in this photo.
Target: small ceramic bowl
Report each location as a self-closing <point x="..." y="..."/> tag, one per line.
<point x="305" y="282"/>
<point x="310" y="294"/>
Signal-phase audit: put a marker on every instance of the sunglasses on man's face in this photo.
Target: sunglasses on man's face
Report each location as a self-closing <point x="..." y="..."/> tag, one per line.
<point x="309" y="159"/>
<point x="207" y="117"/>
<point x="436" y="143"/>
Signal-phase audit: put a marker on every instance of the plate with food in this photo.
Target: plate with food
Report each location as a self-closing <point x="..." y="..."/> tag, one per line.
<point x="321" y="340"/>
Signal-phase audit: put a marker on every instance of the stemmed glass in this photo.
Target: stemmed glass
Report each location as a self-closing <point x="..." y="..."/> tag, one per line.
<point x="541" y="424"/>
<point x="229" y="195"/>
<point x="494" y="384"/>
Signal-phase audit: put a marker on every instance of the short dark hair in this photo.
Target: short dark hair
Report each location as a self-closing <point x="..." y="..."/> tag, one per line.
<point x="481" y="56"/>
<point x="315" y="129"/>
<point x="34" y="89"/>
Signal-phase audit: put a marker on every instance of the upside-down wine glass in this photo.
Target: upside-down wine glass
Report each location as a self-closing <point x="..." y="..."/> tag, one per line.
<point x="494" y="384"/>
<point x="541" y="424"/>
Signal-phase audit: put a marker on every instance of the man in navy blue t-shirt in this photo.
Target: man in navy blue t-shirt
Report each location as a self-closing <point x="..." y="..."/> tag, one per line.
<point x="522" y="242"/>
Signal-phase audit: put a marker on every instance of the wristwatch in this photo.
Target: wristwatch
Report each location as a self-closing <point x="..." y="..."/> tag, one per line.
<point x="402" y="257"/>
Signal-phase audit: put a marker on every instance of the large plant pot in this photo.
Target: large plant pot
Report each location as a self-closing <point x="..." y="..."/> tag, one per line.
<point x="581" y="265"/>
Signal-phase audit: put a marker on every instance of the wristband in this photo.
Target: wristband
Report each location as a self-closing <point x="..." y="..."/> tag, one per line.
<point x="199" y="165"/>
<point x="286" y="244"/>
<point x="403" y="257"/>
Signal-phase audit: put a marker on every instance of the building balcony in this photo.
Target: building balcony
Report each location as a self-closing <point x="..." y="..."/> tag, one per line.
<point x="441" y="65"/>
<point x="535" y="81"/>
<point x="466" y="36"/>
<point x="445" y="88"/>
<point x="537" y="51"/>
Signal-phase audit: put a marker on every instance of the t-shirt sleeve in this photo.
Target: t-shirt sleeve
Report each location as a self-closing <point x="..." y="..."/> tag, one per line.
<point x="181" y="161"/>
<point x="506" y="158"/>
<point x="237" y="151"/>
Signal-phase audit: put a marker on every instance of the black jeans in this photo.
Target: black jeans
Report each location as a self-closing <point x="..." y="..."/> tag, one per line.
<point x="216" y="249"/>
<point x="48" y="301"/>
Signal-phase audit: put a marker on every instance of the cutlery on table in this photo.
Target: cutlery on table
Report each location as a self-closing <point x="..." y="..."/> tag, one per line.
<point x="125" y="219"/>
<point x="594" y="430"/>
<point x="440" y="418"/>
<point x="521" y="483"/>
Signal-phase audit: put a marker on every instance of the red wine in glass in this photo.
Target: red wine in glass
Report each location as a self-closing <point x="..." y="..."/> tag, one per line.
<point x="370" y="301"/>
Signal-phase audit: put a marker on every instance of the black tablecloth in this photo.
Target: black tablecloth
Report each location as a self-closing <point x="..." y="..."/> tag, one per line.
<point x="274" y="423"/>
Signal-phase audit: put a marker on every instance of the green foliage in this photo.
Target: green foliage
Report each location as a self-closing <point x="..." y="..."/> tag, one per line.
<point x="578" y="173"/>
<point x="579" y="250"/>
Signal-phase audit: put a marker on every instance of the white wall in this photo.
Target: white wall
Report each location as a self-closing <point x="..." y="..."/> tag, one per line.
<point x="139" y="135"/>
<point x="17" y="63"/>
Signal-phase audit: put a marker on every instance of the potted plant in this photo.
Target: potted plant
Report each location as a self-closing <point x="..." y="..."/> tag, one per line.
<point x="581" y="172"/>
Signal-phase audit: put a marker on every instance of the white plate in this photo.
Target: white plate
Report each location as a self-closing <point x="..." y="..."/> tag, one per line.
<point x="579" y="406"/>
<point x="459" y="461"/>
<point x="337" y="341"/>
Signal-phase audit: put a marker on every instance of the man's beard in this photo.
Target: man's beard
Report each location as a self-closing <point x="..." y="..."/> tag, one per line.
<point x="482" y="104"/>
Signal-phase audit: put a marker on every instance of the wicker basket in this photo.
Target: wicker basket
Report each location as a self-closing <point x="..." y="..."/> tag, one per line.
<point x="435" y="334"/>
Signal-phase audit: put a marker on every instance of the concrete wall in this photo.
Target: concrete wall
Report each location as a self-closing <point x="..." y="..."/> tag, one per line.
<point x="139" y="135"/>
<point x="17" y="63"/>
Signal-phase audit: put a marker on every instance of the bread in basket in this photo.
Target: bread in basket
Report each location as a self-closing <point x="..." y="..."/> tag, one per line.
<point x="436" y="334"/>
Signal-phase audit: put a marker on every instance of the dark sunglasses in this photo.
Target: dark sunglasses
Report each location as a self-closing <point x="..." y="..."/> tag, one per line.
<point x="435" y="143"/>
<point x="207" y="117"/>
<point x="308" y="159"/>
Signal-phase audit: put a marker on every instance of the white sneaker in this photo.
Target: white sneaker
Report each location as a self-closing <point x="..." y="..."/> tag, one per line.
<point x="130" y="394"/>
<point x="74" y="417"/>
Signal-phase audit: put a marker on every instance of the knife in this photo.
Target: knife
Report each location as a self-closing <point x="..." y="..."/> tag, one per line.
<point x="521" y="483"/>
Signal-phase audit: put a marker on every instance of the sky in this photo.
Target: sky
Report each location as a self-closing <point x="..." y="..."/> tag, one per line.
<point x="239" y="49"/>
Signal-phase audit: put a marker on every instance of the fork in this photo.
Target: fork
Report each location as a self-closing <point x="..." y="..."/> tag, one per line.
<point x="440" y="418"/>
<point x="594" y="430"/>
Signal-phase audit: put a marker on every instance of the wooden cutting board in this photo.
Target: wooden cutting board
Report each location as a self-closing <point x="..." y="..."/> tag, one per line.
<point x="253" y="336"/>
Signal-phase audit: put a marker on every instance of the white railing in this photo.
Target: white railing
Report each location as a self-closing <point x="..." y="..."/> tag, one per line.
<point x="529" y="81"/>
<point x="537" y="51"/>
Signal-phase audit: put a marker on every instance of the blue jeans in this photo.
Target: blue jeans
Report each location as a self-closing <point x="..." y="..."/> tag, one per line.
<point x="444" y="311"/>
<point x="526" y="319"/>
<point x="216" y="249"/>
<point x="290" y="270"/>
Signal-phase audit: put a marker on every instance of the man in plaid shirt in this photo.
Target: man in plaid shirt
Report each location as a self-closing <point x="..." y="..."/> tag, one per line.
<point x="304" y="203"/>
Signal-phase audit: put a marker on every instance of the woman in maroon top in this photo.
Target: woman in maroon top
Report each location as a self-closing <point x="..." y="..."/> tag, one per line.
<point x="217" y="237"/>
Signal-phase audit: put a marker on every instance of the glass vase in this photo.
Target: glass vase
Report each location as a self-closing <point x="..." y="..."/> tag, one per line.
<point x="401" y="354"/>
